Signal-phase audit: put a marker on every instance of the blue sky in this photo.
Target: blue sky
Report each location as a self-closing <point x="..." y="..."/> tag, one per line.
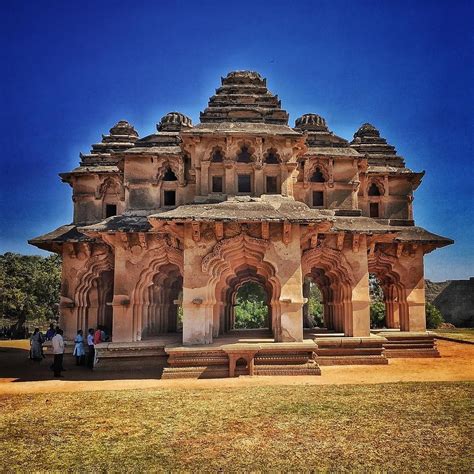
<point x="71" y="69"/>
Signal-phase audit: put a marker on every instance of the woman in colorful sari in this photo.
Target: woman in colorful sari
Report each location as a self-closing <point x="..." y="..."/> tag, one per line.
<point x="36" y="342"/>
<point x="79" y="351"/>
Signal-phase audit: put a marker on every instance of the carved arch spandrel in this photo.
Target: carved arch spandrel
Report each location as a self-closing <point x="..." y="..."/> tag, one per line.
<point x="156" y="258"/>
<point x="339" y="279"/>
<point x="331" y="261"/>
<point x="175" y="164"/>
<point x="112" y="184"/>
<point x="95" y="266"/>
<point x="228" y="257"/>
<point x="310" y="167"/>
<point x="390" y="272"/>
<point x="225" y="250"/>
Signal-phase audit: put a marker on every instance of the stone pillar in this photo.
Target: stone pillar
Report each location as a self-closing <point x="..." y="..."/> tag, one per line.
<point x="204" y="178"/>
<point x="229" y="177"/>
<point x="258" y="179"/>
<point x="414" y="319"/>
<point x="288" y="321"/>
<point x="197" y="169"/>
<point x="306" y="292"/>
<point x="287" y="179"/>
<point x="123" y="324"/>
<point x="198" y="303"/>
<point x="392" y="315"/>
<point x="357" y="321"/>
<point x="284" y="180"/>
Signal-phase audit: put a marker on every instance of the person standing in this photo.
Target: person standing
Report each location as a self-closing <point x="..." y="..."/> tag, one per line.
<point x="98" y="336"/>
<point x="58" y="351"/>
<point x="50" y="332"/>
<point x="79" y="352"/>
<point x="90" y="349"/>
<point x="36" y="342"/>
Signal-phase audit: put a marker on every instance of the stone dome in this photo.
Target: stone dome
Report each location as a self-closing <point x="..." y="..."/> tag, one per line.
<point x="122" y="127"/>
<point x="174" y="122"/>
<point x="244" y="77"/>
<point x="367" y="130"/>
<point x="311" y="122"/>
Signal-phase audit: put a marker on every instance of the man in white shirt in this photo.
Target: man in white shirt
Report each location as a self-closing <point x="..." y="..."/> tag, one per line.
<point x="58" y="351"/>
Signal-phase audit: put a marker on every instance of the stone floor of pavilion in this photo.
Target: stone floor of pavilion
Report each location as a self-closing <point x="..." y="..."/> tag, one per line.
<point x="254" y="352"/>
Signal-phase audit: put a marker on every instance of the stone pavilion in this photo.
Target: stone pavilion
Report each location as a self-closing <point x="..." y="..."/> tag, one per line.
<point x="168" y="227"/>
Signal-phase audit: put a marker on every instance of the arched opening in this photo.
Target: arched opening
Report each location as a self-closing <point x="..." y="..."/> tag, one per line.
<point x="217" y="156"/>
<point x="377" y="303"/>
<point x="317" y="176"/>
<point x="169" y="175"/>
<point x="374" y="190"/>
<point x="329" y="270"/>
<point x="313" y="309"/>
<point x="99" y="311"/>
<point x="241" y="367"/>
<point x="163" y="312"/>
<point x="388" y="308"/>
<point x="250" y="306"/>
<point x="318" y="312"/>
<point x="245" y="299"/>
<point x="244" y="155"/>
<point x="271" y="158"/>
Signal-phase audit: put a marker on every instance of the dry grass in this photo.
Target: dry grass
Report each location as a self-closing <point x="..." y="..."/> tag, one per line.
<point x="457" y="334"/>
<point x="389" y="427"/>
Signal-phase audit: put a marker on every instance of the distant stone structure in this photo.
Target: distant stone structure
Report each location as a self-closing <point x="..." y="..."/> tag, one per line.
<point x="455" y="300"/>
<point x="186" y="216"/>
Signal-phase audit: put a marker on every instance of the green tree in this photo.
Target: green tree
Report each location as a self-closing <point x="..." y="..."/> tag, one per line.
<point x="377" y="305"/>
<point x="315" y="305"/>
<point x="251" y="309"/>
<point x="29" y="287"/>
<point x="434" y="318"/>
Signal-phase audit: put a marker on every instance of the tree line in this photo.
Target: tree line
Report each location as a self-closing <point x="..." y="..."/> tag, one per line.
<point x="29" y="289"/>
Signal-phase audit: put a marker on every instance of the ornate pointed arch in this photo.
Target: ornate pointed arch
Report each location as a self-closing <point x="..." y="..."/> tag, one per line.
<point x="389" y="271"/>
<point x="379" y="183"/>
<point x="272" y="157"/>
<point x="157" y="257"/>
<point x="112" y="184"/>
<point x="96" y="265"/>
<point x="312" y="164"/>
<point x="175" y="164"/>
<point x="234" y="255"/>
<point x="331" y="261"/>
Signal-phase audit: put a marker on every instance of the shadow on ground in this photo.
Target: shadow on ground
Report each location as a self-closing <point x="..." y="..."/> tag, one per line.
<point x="15" y="366"/>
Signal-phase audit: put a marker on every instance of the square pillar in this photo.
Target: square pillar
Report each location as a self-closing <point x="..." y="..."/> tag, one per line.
<point x="413" y="280"/>
<point x="357" y="320"/>
<point x="288" y="313"/>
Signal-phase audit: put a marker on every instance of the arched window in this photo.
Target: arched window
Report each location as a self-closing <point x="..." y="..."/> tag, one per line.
<point x="271" y="158"/>
<point x="217" y="156"/>
<point x="374" y="190"/>
<point x="244" y="155"/>
<point x="169" y="175"/>
<point x="317" y="176"/>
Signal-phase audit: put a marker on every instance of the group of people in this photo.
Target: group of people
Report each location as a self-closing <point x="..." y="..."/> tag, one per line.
<point x="55" y="335"/>
<point x="93" y="338"/>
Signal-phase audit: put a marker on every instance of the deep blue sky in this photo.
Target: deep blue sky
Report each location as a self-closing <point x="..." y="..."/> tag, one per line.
<point x="71" y="69"/>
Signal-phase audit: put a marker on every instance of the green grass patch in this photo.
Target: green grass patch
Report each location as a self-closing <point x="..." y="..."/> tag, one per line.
<point x="457" y="334"/>
<point x="387" y="427"/>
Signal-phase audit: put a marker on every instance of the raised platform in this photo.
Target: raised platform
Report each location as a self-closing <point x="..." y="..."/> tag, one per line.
<point x="242" y="358"/>
<point x="409" y="344"/>
<point x="254" y="352"/>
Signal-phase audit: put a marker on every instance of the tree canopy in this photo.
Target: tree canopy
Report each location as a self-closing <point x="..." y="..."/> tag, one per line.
<point x="29" y="287"/>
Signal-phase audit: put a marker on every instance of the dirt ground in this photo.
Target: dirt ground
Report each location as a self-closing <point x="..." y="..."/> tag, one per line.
<point x="18" y="374"/>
